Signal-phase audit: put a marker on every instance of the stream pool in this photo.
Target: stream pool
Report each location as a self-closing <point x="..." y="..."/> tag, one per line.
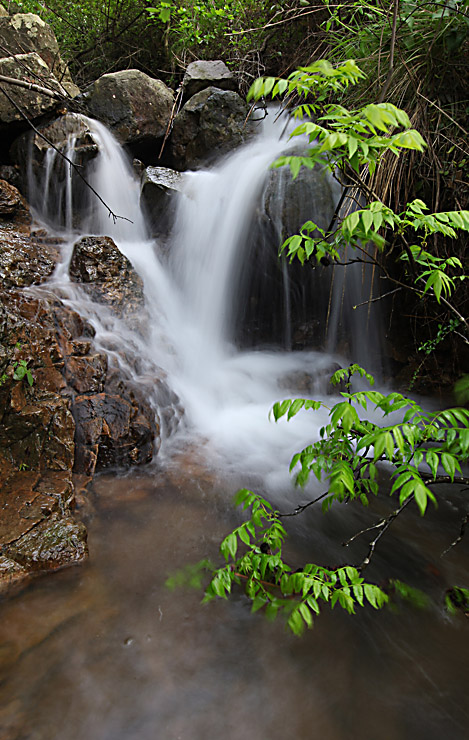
<point x="107" y="652"/>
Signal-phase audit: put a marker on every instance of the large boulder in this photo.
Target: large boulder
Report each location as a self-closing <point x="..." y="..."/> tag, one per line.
<point x="284" y="206"/>
<point x="137" y="108"/>
<point x="28" y="67"/>
<point x="25" y="32"/>
<point x="160" y="189"/>
<point x="202" y="74"/>
<point x="211" y="123"/>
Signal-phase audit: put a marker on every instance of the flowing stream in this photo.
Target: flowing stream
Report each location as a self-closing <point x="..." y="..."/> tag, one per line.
<point x="106" y="651"/>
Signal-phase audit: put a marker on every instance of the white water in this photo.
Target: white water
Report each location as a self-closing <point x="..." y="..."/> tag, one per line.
<point x="191" y="300"/>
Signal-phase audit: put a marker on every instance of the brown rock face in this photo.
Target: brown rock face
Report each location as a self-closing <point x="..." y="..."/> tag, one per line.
<point x="112" y="431"/>
<point x="136" y="107"/>
<point x="37" y="532"/>
<point x="54" y="543"/>
<point x="107" y="276"/>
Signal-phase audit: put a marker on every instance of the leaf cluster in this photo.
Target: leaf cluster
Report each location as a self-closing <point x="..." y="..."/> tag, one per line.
<point x="254" y="562"/>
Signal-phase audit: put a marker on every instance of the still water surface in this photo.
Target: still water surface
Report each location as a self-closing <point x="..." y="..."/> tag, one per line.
<point x="106" y="652"/>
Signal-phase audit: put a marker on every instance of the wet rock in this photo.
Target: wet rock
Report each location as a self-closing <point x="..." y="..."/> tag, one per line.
<point x="202" y="74"/>
<point x="161" y="188"/>
<point x="39" y="434"/>
<point x="22" y="263"/>
<point x="12" y="576"/>
<point x="33" y="104"/>
<point x="35" y="521"/>
<point x="29" y="497"/>
<point x="107" y="276"/>
<point x="54" y="543"/>
<point x="24" y="33"/>
<point x="211" y="123"/>
<point x="112" y="431"/>
<point x="290" y="202"/>
<point x="13" y="206"/>
<point x="86" y="374"/>
<point x="11" y="173"/>
<point x="136" y="107"/>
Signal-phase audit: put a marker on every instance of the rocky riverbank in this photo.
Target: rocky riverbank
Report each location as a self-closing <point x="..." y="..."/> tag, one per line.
<point x="64" y="411"/>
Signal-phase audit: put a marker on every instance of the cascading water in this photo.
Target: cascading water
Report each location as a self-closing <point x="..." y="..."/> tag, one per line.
<point x="193" y="294"/>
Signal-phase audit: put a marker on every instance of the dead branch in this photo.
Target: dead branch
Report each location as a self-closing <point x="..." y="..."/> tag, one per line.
<point x="384" y="525"/>
<point x="459" y="538"/>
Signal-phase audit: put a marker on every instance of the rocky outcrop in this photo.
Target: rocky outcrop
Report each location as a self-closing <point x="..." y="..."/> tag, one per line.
<point x="136" y="107"/>
<point x="161" y="188"/>
<point x="63" y="406"/>
<point x="25" y="33"/>
<point x="202" y="74"/>
<point x="211" y="123"/>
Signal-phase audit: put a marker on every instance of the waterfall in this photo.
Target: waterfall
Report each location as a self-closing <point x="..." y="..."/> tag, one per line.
<point x="200" y="286"/>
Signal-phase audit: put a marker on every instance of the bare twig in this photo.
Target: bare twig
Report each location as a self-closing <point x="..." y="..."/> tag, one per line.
<point x="459" y="538"/>
<point x="302" y="507"/>
<point x="379" y="298"/>
<point x="444" y="113"/>
<point x="385" y="524"/>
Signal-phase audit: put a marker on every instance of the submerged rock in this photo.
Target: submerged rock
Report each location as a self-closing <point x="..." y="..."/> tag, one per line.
<point x="211" y="123"/>
<point x="56" y="542"/>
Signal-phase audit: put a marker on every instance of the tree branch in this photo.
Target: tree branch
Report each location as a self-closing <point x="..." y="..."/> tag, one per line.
<point x="385" y="524"/>
<point x="458" y="539"/>
<point x="302" y="507"/>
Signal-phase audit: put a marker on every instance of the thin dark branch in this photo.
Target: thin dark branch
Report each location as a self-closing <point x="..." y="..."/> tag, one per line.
<point x="458" y="539"/>
<point x="431" y="481"/>
<point x="384" y="527"/>
<point x="302" y="507"/>
<point x="379" y="298"/>
<point x="75" y="167"/>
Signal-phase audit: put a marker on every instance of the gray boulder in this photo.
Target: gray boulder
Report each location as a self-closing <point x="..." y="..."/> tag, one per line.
<point x="33" y="104"/>
<point x="136" y="107"/>
<point x="159" y="195"/>
<point x="200" y="75"/>
<point x="25" y="33"/>
<point x="210" y="124"/>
